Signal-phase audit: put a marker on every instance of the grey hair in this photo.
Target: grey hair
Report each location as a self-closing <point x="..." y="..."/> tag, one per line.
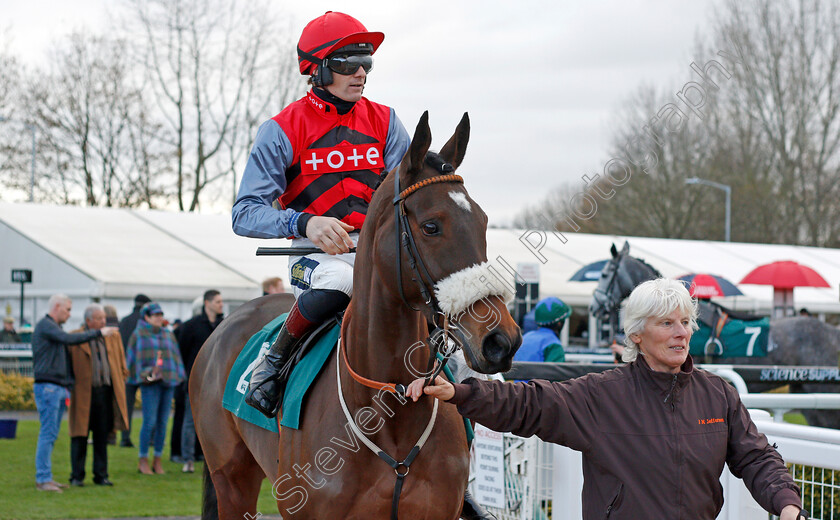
<point x="57" y="299"/>
<point x="90" y="309"/>
<point x="654" y="299"/>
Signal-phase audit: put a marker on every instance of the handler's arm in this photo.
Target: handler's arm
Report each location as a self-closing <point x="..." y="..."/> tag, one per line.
<point x="554" y="412"/>
<point x="751" y="458"/>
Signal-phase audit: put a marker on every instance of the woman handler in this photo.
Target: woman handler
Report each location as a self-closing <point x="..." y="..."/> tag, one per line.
<point x="659" y="451"/>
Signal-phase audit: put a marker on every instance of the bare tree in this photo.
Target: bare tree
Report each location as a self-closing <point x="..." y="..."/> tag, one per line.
<point x="14" y="143"/>
<point x="85" y="107"/>
<point x="213" y="65"/>
<point x="770" y="129"/>
<point x="788" y="90"/>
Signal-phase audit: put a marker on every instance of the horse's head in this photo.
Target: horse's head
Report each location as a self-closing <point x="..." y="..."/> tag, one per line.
<point x="430" y="250"/>
<point x="618" y="279"/>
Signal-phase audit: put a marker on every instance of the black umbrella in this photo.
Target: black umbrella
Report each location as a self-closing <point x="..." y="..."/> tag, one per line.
<point x="589" y="273"/>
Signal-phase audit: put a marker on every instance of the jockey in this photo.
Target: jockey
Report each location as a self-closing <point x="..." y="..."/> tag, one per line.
<point x="319" y="160"/>
<point x="544" y="344"/>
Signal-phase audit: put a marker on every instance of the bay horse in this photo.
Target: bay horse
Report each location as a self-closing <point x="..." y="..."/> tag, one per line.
<point x="794" y="341"/>
<point x="421" y="260"/>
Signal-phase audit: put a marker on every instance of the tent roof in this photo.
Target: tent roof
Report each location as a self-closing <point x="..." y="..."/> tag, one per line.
<point x="128" y="251"/>
<point x="672" y="258"/>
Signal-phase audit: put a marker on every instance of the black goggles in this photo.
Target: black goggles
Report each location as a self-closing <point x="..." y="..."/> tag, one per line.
<point x="348" y="64"/>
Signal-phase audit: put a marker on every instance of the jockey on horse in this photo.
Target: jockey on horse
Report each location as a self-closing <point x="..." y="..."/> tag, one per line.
<point x="321" y="157"/>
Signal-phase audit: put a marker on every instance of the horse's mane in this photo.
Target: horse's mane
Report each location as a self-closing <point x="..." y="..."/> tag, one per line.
<point x="650" y="267"/>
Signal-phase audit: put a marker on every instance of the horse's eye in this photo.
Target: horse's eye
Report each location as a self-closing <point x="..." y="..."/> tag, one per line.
<point x="430" y="228"/>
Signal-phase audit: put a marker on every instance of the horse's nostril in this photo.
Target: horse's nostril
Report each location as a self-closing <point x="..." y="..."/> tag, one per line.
<point x="496" y="347"/>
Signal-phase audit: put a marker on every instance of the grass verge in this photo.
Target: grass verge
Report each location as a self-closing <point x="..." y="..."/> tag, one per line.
<point x="133" y="494"/>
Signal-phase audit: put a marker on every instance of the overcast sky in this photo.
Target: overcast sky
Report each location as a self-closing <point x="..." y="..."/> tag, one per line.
<point x="541" y="80"/>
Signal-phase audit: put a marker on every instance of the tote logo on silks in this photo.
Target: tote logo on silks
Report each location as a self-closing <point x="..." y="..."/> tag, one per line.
<point x="302" y="272"/>
<point x="342" y="158"/>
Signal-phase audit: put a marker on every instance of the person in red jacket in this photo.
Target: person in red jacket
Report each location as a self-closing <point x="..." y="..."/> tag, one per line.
<point x="319" y="162"/>
<point x="658" y="452"/>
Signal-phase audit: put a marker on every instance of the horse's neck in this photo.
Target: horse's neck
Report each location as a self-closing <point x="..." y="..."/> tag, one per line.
<point x="379" y="335"/>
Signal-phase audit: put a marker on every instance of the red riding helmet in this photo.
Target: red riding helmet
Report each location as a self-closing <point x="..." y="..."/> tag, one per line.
<point x="329" y="32"/>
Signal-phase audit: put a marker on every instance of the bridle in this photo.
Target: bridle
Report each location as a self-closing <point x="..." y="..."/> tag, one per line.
<point x="438" y="340"/>
<point x="440" y="346"/>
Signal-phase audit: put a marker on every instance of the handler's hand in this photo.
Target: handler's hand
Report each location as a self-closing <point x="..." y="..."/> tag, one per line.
<point x="109" y="331"/>
<point x="441" y="389"/>
<point x="329" y="234"/>
<point x="790" y="513"/>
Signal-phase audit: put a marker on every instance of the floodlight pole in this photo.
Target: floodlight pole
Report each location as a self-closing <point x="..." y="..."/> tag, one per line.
<point x="725" y="188"/>
<point x="31" y="128"/>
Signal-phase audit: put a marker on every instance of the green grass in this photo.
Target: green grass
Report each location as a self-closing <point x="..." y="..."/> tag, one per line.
<point x="133" y="494"/>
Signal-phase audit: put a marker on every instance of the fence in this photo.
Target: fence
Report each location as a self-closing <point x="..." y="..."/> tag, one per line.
<point x="540" y="476"/>
<point x="16" y="357"/>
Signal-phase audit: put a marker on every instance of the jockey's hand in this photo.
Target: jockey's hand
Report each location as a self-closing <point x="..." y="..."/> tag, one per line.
<point x="441" y="389"/>
<point x="109" y="331"/>
<point x="329" y="234"/>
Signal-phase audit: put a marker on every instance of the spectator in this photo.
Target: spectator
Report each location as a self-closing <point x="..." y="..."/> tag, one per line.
<point x="154" y="364"/>
<point x="659" y="450"/>
<point x="111" y="317"/>
<point x="193" y="333"/>
<point x="97" y="401"/>
<point x="273" y="285"/>
<point x="544" y="344"/>
<point x="127" y="326"/>
<point x="8" y="334"/>
<point x="53" y="379"/>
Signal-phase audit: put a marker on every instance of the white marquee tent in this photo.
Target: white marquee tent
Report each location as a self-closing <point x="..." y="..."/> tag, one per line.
<point x="109" y="255"/>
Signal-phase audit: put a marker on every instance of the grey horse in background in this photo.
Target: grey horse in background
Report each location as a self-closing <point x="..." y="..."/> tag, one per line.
<point x="796" y="341"/>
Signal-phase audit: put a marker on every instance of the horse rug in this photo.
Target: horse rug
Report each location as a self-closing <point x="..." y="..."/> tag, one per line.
<point x="301" y="379"/>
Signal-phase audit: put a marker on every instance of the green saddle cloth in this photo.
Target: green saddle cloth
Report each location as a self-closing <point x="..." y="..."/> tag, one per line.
<point x="300" y="380"/>
<point x="739" y="339"/>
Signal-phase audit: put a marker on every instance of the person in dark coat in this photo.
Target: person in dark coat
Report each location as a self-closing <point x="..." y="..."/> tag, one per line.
<point x="127" y="326"/>
<point x="8" y="334"/>
<point x="192" y="335"/>
<point x="659" y="450"/>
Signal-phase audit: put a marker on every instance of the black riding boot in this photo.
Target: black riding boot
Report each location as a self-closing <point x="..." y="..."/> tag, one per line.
<point x="265" y="392"/>
<point x="472" y="510"/>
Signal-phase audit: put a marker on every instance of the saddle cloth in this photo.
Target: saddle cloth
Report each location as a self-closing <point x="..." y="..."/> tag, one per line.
<point x="301" y="379"/>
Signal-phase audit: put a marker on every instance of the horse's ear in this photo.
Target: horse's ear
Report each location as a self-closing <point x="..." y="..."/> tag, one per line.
<point x="454" y="150"/>
<point x="613" y="251"/>
<point x="626" y="249"/>
<point x="413" y="161"/>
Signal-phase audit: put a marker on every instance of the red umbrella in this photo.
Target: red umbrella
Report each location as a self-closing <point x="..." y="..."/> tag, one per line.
<point x="704" y="285"/>
<point x="785" y="274"/>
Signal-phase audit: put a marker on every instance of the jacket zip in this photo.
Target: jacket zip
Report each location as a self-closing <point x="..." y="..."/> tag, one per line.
<point x="676" y="437"/>
<point x="671" y="391"/>
<point x="614" y="500"/>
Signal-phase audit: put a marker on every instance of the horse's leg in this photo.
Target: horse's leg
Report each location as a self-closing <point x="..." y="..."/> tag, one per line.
<point x="237" y="484"/>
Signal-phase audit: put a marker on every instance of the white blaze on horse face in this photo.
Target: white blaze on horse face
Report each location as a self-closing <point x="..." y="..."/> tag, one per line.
<point x="460" y="199"/>
<point x="458" y="291"/>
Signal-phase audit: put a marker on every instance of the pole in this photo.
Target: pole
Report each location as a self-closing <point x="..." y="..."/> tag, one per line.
<point x="20" y="323"/>
<point x="726" y="189"/>
<point x="31" y="177"/>
<point x="728" y="211"/>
